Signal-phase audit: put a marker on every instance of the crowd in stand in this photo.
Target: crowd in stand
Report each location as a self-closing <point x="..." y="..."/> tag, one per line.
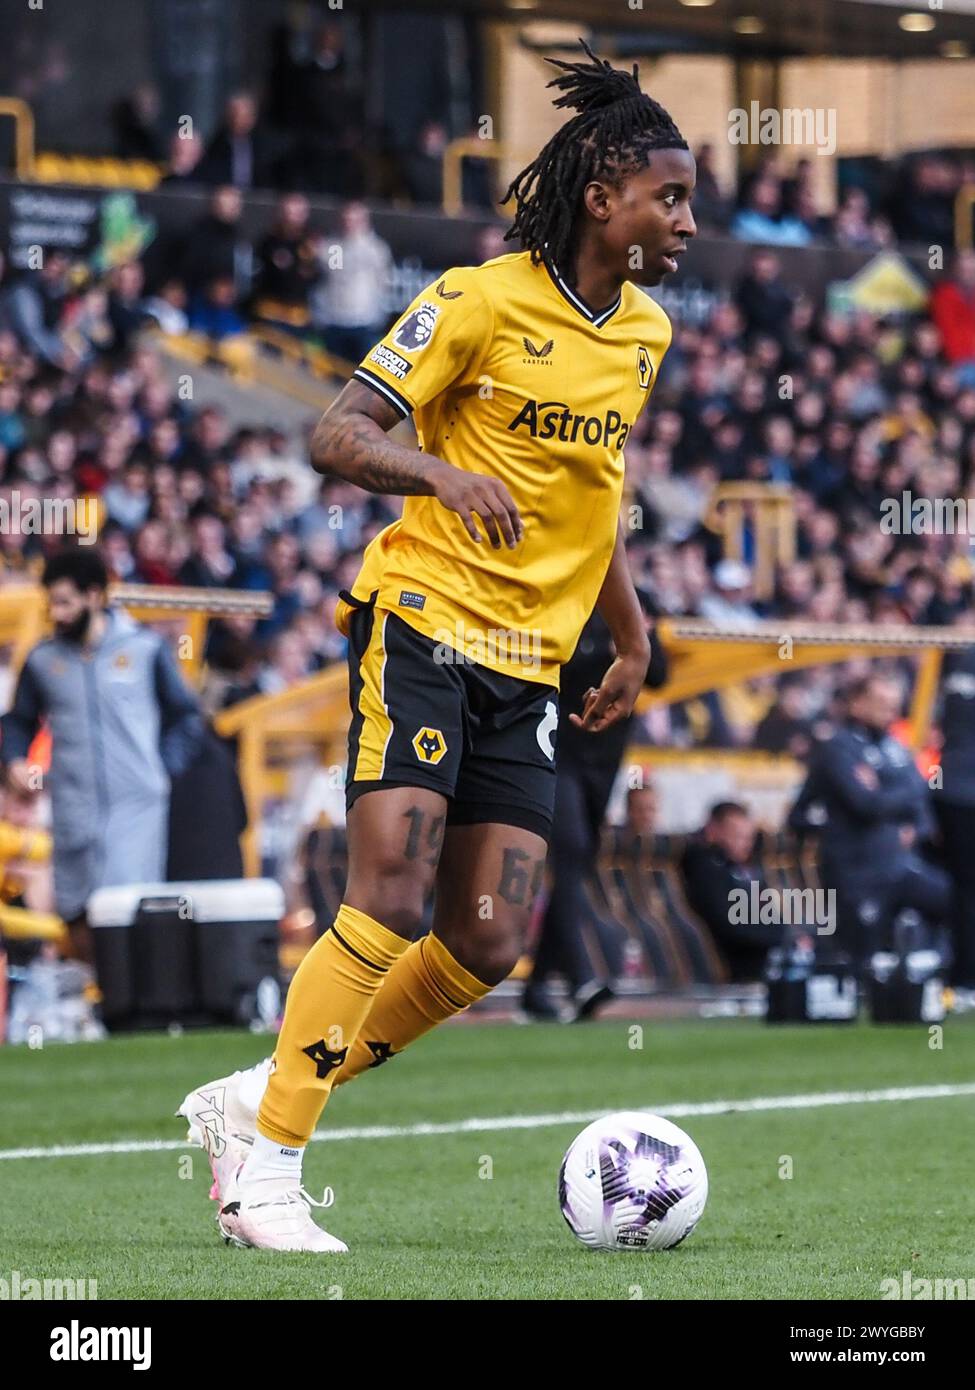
<point x="311" y="130"/>
<point x="775" y="202"/>
<point x="210" y="278"/>
<point x="866" y="420"/>
<point x="887" y="203"/>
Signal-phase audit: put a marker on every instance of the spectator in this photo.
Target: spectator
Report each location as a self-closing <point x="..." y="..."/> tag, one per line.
<point x="126" y="312"/>
<point x="798" y="190"/>
<point x="711" y="207"/>
<point x="728" y="603"/>
<point x="287" y="267"/>
<point x="136" y="122"/>
<point x="287" y="664"/>
<point x="350" y="308"/>
<point x="328" y="114"/>
<point x="760" y="218"/>
<point x="922" y="205"/>
<point x="786" y="727"/>
<point x="206" y="440"/>
<point x="12" y="433"/>
<point x="210" y="564"/>
<point x="113" y="542"/>
<point x="239" y="153"/>
<point x="641" y="813"/>
<point x="762" y="296"/>
<point x="127" y="499"/>
<point x="151" y="555"/>
<point x="953" y="312"/>
<point x="185" y="155"/>
<point x="215" y="248"/>
<point x="424" y="165"/>
<point x="86" y="327"/>
<point x="33" y="304"/>
<point x="720" y="882"/>
<point x="852" y="227"/>
<point x="167" y="308"/>
<point x="215" y="313"/>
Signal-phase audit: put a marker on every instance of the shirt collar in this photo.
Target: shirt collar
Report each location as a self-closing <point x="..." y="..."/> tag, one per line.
<point x="596" y="318"/>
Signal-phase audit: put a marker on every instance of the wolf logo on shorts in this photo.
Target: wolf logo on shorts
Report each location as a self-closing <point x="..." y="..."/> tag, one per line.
<point x="429" y="745"/>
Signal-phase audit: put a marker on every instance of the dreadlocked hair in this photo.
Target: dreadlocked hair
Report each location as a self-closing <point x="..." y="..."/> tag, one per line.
<point x="617" y="128"/>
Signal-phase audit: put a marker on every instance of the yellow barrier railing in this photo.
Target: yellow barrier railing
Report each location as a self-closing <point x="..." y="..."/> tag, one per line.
<point x="453" y="167"/>
<point x="705" y="657"/>
<point x="194" y="608"/>
<point x="23" y="119"/>
<point x="240" y="357"/>
<point x="96" y="171"/>
<point x="771" y="507"/>
<point x="23" y="613"/>
<point x="315" y="713"/>
<point x="317" y="360"/>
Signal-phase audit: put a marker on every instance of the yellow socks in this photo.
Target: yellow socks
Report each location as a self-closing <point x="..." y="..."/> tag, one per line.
<point x="424" y="987"/>
<point x="339" y="1022"/>
<point x="329" y="1000"/>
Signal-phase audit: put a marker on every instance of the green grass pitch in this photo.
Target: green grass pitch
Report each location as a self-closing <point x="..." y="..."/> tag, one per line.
<point x="876" y="1188"/>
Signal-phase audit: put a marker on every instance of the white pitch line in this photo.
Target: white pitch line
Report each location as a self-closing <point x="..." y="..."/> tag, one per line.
<point x="480" y="1125"/>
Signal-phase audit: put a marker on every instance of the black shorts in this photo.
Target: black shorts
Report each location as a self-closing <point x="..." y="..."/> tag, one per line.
<point x="483" y="739"/>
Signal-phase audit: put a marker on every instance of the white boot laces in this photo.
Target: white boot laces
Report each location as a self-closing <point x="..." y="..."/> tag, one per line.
<point x="328" y="1197"/>
<point x="296" y="1194"/>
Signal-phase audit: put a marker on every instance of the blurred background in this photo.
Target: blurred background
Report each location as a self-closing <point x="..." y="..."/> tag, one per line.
<point x="209" y="211"/>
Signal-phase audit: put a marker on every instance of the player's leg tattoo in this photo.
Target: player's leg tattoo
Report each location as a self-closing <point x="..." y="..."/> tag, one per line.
<point x="521" y="876"/>
<point x="425" y="833"/>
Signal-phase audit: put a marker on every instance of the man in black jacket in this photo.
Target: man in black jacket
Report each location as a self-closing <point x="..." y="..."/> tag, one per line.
<point x="216" y="247"/>
<point x="719" y="875"/>
<point x="238" y="154"/>
<point x="587" y="768"/>
<point x="870" y="804"/>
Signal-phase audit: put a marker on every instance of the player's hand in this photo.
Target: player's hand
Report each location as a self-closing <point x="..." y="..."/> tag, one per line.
<point x="473" y="495"/>
<point x="19" y="776"/>
<point x="616" y="696"/>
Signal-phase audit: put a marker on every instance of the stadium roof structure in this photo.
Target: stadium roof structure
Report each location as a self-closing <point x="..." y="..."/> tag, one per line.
<point x="770" y="28"/>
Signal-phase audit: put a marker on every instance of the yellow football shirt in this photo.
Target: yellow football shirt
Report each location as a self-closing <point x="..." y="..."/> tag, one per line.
<point x="507" y="372"/>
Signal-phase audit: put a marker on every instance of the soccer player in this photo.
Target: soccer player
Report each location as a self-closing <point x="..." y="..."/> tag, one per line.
<point x="524" y="377"/>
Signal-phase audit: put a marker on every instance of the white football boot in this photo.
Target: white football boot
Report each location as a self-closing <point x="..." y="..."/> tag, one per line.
<point x="273" y="1214"/>
<point x="222" y="1119"/>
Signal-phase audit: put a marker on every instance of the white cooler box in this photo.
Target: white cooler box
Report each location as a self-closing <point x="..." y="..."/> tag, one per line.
<point x="191" y="953"/>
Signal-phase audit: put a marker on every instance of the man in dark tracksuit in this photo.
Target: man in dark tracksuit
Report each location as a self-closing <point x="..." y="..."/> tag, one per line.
<point x="122" y="724"/>
<point x="870" y="804"/>
<point x="717" y="864"/>
<point x="954" y="803"/>
<point x="587" y="766"/>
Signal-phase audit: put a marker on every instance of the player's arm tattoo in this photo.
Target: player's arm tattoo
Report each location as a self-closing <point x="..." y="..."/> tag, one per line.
<point x="350" y="442"/>
<point x="521" y="876"/>
<point x="424" y="835"/>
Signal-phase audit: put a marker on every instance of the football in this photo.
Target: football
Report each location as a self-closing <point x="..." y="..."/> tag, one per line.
<point x="632" y="1181"/>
